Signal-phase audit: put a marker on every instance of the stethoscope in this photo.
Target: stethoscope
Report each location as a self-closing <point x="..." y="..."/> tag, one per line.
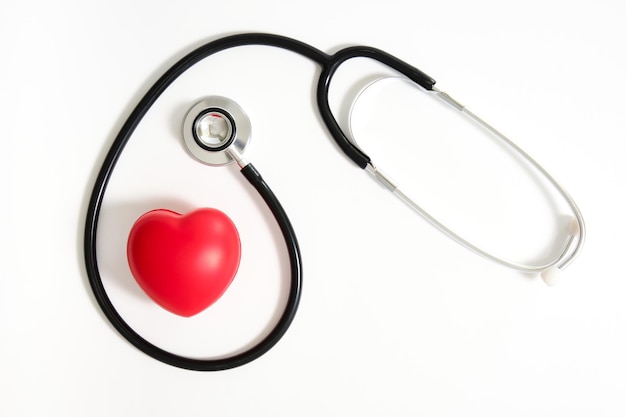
<point x="216" y="131"/>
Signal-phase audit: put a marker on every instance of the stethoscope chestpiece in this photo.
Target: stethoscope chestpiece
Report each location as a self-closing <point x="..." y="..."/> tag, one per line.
<point x="216" y="131"/>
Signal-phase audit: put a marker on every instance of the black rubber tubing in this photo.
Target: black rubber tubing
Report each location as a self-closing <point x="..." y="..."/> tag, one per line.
<point x="329" y="64"/>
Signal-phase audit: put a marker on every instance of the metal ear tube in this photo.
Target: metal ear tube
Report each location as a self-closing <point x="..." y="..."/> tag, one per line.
<point x="549" y="271"/>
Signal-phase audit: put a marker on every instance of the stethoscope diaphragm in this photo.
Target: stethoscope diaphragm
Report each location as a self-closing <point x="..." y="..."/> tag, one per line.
<point x="216" y="131"/>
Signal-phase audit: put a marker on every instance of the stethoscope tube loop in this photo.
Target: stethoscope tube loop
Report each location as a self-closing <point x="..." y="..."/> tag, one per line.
<point x="104" y="175"/>
<point x="293" y="298"/>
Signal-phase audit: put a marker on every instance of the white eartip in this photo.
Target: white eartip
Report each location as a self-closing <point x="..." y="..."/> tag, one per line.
<point x="551" y="275"/>
<point x="574" y="227"/>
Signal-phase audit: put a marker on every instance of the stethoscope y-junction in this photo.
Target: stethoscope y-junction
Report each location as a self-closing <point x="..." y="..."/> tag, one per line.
<point x="216" y="131"/>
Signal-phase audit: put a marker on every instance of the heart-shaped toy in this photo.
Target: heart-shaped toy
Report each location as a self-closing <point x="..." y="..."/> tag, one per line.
<point x="184" y="262"/>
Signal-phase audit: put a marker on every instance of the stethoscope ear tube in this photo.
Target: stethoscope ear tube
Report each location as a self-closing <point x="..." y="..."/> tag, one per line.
<point x="575" y="230"/>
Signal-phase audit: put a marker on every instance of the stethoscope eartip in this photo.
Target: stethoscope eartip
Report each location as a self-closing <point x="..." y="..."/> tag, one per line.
<point x="574" y="227"/>
<point x="551" y="276"/>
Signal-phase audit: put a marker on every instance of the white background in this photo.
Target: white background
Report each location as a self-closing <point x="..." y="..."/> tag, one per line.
<point x="396" y="319"/>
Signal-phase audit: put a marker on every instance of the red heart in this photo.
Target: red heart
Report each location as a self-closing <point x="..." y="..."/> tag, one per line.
<point x="184" y="262"/>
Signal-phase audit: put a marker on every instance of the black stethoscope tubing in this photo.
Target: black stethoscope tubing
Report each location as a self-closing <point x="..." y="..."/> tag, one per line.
<point x="329" y="64"/>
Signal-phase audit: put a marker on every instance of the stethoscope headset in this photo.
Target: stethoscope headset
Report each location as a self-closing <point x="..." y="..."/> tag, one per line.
<point x="229" y="147"/>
